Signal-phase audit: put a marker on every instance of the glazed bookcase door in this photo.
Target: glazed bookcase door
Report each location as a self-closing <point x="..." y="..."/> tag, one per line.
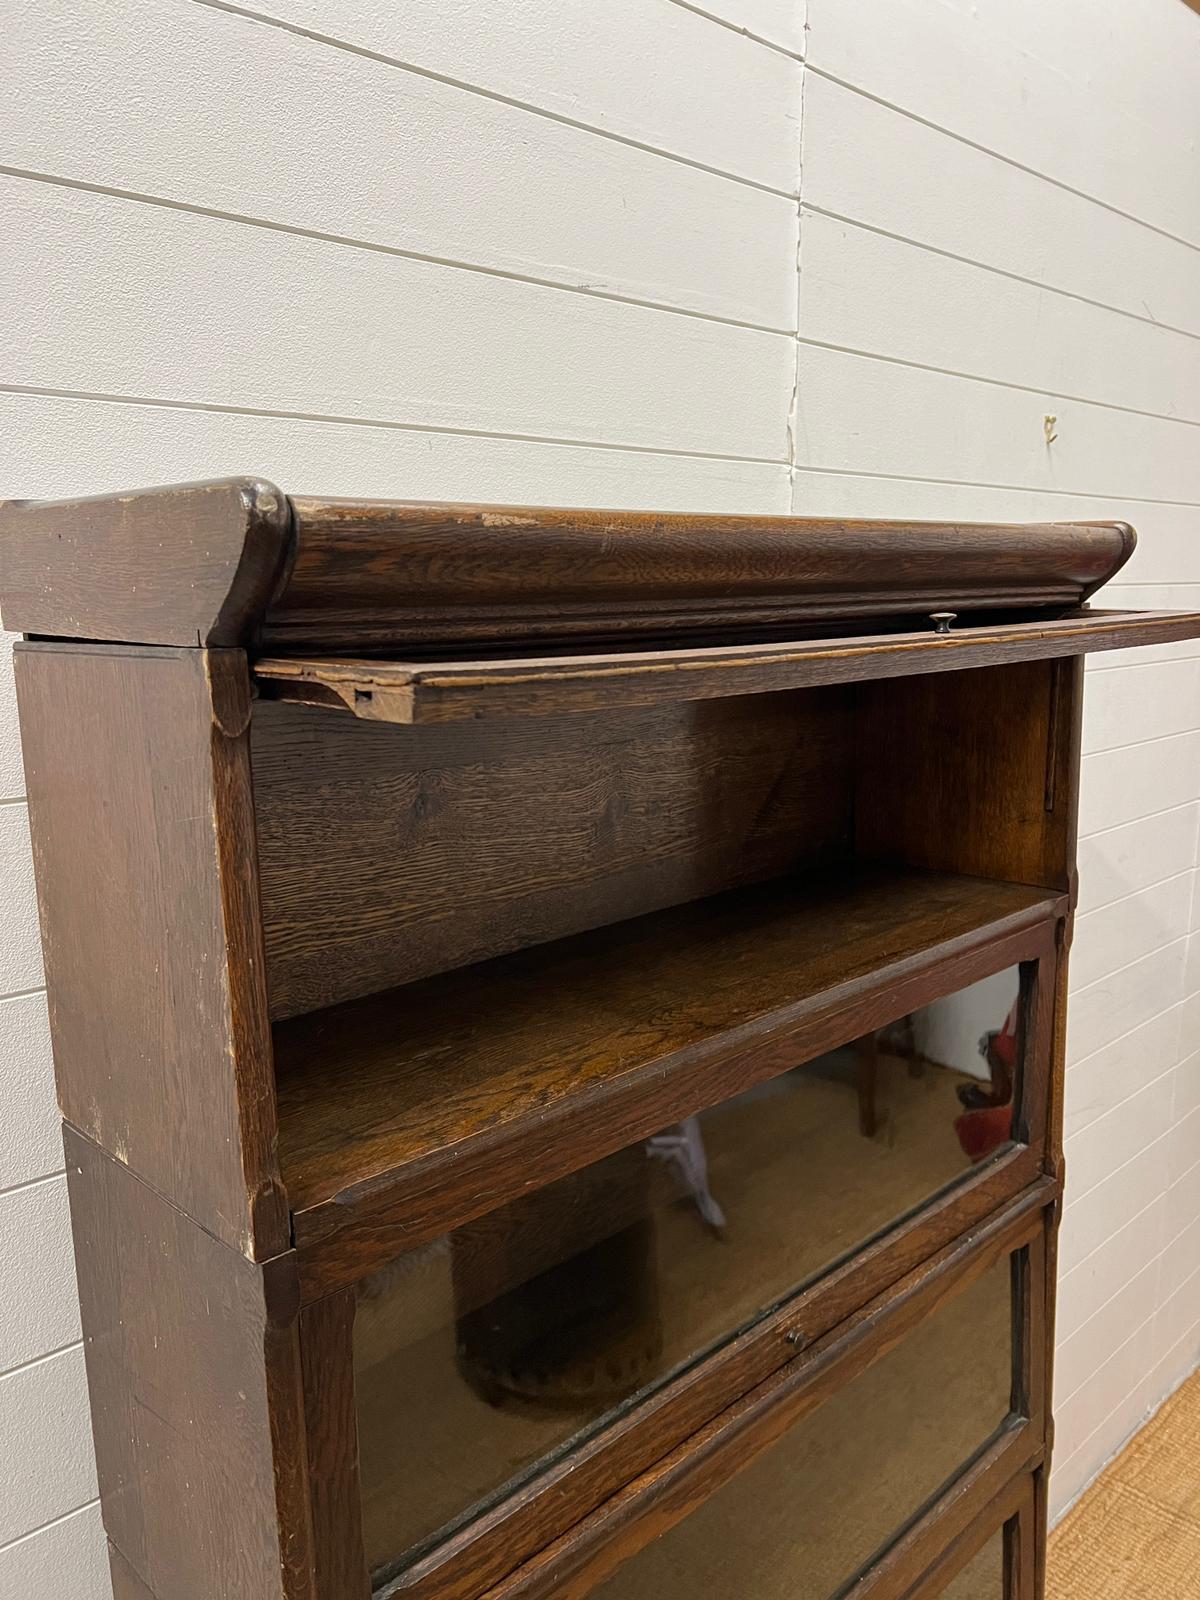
<point x="549" y="1351"/>
<point x="850" y="1473"/>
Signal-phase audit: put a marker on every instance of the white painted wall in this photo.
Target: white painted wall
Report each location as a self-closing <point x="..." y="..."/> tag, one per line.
<point x="546" y="250"/>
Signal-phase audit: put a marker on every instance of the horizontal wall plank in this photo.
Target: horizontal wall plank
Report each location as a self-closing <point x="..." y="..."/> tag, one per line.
<point x="1116" y="788"/>
<point x="859" y="414"/>
<point x="46" y="1463"/>
<point x="66" y="1561"/>
<point x="1110" y="938"/>
<point x="1057" y="89"/>
<point x="1090" y="1219"/>
<point x="1124" y="860"/>
<point x="235" y="117"/>
<point x="880" y="167"/>
<point x="1086" y="1290"/>
<point x="1141" y="702"/>
<point x="30" y="1132"/>
<point x="1112" y="1398"/>
<point x="1183" y="1193"/>
<point x="644" y="70"/>
<point x="121" y="446"/>
<point x="1108" y="1143"/>
<point x="1180" y="1312"/>
<point x="20" y="941"/>
<point x="12" y="776"/>
<point x="863" y="290"/>
<point x="190" y="305"/>
<point x="1120" y="1069"/>
<point x="1115" y="1322"/>
<point x="781" y="22"/>
<point x="1123" y="1000"/>
<point x="1120" y="1414"/>
<point x="39" y="1304"/>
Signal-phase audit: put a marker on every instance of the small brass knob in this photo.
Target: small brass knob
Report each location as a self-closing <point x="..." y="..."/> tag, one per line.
<point x="942" y="619"/>
<point x="796" y="1337"/>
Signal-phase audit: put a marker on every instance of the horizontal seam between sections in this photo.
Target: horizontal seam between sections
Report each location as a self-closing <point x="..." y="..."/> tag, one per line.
<point x="39" y="1360"/>
<point x="1136" y="894"/>
<point x="51" y="1522"/>
<point x="334" y="43"/>
<point x="1074" y="1066"/>
<point x="1166" y="811"/>
<point x="981" y="483"/>
<point x="994" y="383"/>
<point x="808" y="209"/>
<point x="1010" y="161"/>
<point x="214" y="407"/>
<point x="32" y="1183"/>
<point x="376" y="247"/>
<point x="744" y="33"/>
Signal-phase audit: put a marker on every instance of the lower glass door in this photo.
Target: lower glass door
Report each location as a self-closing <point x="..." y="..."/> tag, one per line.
<point x="807" y="1517"/>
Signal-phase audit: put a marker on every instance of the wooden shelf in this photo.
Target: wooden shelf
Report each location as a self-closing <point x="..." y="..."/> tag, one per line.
<point x="411" y="692"/>
<point x="405" y="1114"/>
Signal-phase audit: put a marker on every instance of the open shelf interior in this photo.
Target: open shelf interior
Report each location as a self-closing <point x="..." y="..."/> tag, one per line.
<point x="620" y="1028"/>
<point x="498" y="950"/>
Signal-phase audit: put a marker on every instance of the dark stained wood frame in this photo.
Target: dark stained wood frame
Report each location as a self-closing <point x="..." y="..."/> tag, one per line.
<point x="245" y="565"/>
<point x="568" y="1489"/>
<point x="462" y="691"/>
<point x="1014" y="1510"/>
<point x="589" y="1551"/>
<point x="571" y="1489"/>
<point x="217" y="1324"/>
<point x="363" y="1228"/>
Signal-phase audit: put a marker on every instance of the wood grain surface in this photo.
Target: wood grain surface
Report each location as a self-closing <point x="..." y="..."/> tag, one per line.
<point x="455" y="691"/>
<point x="137" y="763"/>
<point x="407" y="1113"/>
<point x="193" y="1370"/>
<point x="377" y="575"/>
<point x="194" y="564"/>
<point x="386" y="858"/>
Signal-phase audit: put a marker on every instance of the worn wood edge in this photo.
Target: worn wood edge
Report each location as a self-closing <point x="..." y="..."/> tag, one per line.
<point x="241" y="532"/>
<point x="253" y="1064"/>
<point x="658" y="1498"/>
<point x="433" y="572"/>
<point x="126" y="1584"/>
<point x="348" y="1234"/>
<point x="1013" y="1504"/>
<point x="413" y="693"/>
<point x="462" y="1566"/>
<point x="258" y="1225"/>
<point x="278" y="1287"/>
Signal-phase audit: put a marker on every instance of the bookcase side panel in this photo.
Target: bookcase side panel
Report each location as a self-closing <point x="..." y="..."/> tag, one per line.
<point x="141" y="812"/>
<point x="194" y="1377"/>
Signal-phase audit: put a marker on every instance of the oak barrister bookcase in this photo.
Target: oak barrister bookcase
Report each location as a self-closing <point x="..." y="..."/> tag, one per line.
<point x="493" y="958"/>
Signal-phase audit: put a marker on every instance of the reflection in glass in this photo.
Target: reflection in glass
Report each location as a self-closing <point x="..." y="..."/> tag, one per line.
<point x="803" y="1520"/>
<point x="498" y="1345"/>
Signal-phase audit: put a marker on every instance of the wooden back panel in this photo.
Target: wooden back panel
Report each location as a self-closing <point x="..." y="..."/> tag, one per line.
<point x="388" y="855"/>
<point x="972" y="772"/>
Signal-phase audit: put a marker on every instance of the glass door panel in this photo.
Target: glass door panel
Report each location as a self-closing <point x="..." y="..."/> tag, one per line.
<point x="505" y="1343"/>
<point x="804" y="1519"/>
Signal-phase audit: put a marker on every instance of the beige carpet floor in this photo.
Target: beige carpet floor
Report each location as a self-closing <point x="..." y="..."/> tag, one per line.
<point x="1135" y="1535"/>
